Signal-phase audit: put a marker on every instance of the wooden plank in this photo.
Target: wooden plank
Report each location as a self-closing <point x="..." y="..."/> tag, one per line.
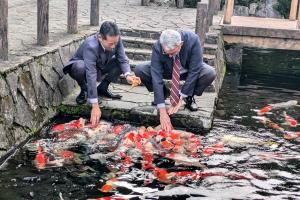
<point x="94" y="17"/>
<point x="229" y="11"/>
<point x="293" y="11"/>
<point x="201" y="21"/>
<point x="3" y="30"/>
<point x="72" y="16"/>
<point x="42" y="22"/>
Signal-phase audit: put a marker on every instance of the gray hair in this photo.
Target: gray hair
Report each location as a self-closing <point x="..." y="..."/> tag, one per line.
<point x="170" y="39"/>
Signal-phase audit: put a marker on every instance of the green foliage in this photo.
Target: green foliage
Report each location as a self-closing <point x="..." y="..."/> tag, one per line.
<point x="283" y="7"/>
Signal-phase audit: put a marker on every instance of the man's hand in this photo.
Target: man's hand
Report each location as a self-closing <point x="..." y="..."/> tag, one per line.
<point x="165" y="121"/>
<point x="174" y="109"/>
<point x="95" y="114"/>
<point x="133" y="80"/>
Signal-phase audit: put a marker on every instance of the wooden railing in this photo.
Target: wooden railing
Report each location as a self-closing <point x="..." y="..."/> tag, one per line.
<point x="204" y="17"/>
<point x="43" y="22"/>
<point x="229" y="7"/>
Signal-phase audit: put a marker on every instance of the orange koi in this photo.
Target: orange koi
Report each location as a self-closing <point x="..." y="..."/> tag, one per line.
<point x="264" y="110"/>
<point x="167" y="145"/>
<point x="40" y="158"/>
<point x="108" y="186"/>
<point x="117" y="129"/>
<point x="65" y="154"/>
<point x="290" y="120"/>
<point x="76" y="124"/>
<point x="111" y="198"/>
<point x="291" y="135"/>
<point x="161" y="174"/>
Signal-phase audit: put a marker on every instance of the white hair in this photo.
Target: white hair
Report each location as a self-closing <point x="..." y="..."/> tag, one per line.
<point x="170" y="39"/>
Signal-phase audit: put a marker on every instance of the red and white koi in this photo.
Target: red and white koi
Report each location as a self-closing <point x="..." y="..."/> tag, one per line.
<point x="290" y="120"/>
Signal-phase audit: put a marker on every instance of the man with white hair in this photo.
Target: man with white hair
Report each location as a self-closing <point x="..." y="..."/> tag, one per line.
<point x="176" y="56"/>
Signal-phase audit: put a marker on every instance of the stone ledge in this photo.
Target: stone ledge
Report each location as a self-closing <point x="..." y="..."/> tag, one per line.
<point x="135" y="106"/>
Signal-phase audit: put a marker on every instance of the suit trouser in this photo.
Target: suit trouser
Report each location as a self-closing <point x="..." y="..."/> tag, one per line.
<point x="206" y="76"/>
<point x="112" y="70"/>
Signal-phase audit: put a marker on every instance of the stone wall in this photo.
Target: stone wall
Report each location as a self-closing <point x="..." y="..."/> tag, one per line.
<point x="30" y="93"/>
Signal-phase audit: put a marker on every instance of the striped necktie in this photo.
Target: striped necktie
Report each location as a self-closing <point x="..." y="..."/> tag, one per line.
<point x="174" y="97"/>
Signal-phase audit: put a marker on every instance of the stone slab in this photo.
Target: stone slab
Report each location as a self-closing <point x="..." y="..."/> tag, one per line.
<point x="136" y="106"/>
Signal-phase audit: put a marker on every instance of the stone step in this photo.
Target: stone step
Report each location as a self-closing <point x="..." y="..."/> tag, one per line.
<point x="138" y="54"/>
<point x="210" y="49"/>
<point x="211" y="37"/>
<point x="137" y="42"/>
<point x="145" y="54"/>
<point x="140" y="33"/>
<point x="135" y="107"/>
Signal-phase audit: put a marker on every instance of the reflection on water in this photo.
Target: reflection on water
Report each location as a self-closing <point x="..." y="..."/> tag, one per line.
<point x="272" y="161"/>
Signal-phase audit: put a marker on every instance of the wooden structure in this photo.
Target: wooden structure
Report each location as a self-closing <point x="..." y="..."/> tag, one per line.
<point x="262" y="32"/>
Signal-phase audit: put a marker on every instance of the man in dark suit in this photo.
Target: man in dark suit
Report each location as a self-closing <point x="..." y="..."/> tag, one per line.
<point x="100" y="54"/>
<point x="176" y="56"/>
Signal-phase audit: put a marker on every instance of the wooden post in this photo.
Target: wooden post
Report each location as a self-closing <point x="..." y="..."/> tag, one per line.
<point x="210" y="12"/>
<point x="3" y="30"/>
<point x="293" y="11"/>
<point x="72" y="16"/>
<point x="179" y="3"/>
<point x="217" y="6"/>
<point x="201" y="21"/>
<point x="229" y="11"/>
<point x="94" y="15"/>
<point x="298" y="23"/>
<point x="43" y="22"/>
<point x="145" y="2"/>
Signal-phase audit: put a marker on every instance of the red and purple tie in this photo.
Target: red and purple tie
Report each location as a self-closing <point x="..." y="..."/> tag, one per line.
<point x="174" y="97"/>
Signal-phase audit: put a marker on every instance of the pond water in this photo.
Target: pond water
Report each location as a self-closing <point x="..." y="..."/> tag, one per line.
<point x="253" y="149"/>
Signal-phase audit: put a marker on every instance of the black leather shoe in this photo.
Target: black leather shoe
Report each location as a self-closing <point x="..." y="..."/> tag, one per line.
<point x="82" y="97"/>
<point x="190" y="103"/>
<point x="109" y="94"/>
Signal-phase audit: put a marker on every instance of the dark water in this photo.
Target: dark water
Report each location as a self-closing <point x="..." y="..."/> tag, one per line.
<point x="267" y="77"/>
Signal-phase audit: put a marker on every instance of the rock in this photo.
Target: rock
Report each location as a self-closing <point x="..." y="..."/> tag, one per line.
<point x="3" y="88"/>
<point x="241" y="11"/>
<point x="4" y="144"/>
<point x="48" y="73"/>
<point x="27" y="90"/>
<point x="43" y="92"/>
<point x="234" y="57"/>
<point x="267" y="10"/>
<point x="57" y="64"/>
<point x="67" y="85"/>
<point x="253" y="7"/>
<point x="12" y="80"/>
<point x="65" y="54"/>
<point x="8" y="110"/>
<point x="23" y="115"/>
<point x="20" y="135"/>
<point x="166" y="3"/>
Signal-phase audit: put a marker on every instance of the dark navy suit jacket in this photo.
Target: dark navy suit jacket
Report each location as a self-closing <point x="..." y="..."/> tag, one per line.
<point x="190" y="58"/>
<point x="94" y="57"/>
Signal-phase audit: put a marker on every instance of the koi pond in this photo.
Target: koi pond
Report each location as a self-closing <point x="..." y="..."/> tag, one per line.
<point x="252" y="151"/>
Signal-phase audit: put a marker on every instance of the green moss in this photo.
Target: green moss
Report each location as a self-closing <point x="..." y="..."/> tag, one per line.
<point x="72" y="110"/>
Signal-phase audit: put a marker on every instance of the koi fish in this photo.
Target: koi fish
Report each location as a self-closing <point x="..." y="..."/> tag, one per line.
<point x="75" y="124"/>
<point x="290" y="120"/>
<point x="291" y="135"/>
<point x="270" y="107"/>
<point x="287" y="104"/>
<point x="40" y="158"/>
<point x="264" y="110"/>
